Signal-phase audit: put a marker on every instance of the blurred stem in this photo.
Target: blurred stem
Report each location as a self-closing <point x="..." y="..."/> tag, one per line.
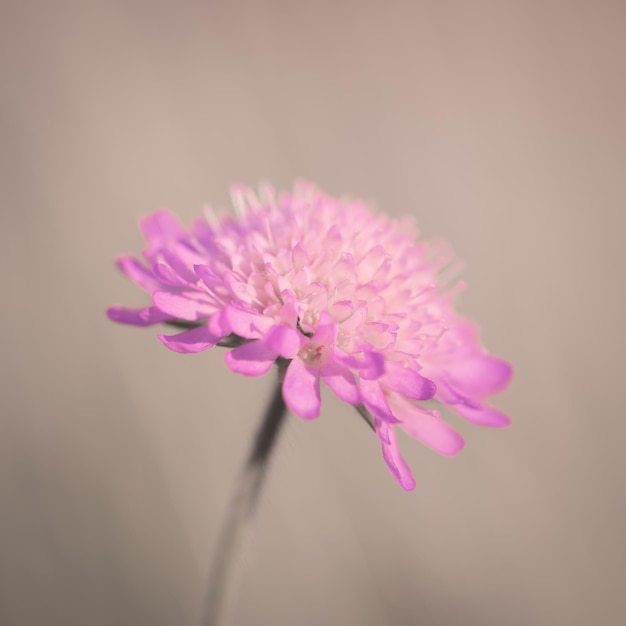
<point x="237" y="523"/>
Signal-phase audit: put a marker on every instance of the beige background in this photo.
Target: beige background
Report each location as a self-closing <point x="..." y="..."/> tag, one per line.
<point x="499" y="125"/>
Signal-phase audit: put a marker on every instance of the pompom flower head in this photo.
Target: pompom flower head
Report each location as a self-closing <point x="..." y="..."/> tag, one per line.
<point x="340" y="295"/>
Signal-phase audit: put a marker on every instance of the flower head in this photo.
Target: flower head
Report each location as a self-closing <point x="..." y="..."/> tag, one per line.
<point x="346" y="297"/>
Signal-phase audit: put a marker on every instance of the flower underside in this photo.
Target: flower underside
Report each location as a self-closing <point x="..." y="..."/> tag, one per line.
<point x="347" y="297"/>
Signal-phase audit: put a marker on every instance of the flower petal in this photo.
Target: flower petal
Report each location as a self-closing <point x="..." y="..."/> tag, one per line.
<point x="301" y="390"/>
<point x="251" y="359"/>
<point x="190" y="341"/>
<point x="146" y="316"/>
<point x="341" y="380"/>
<point x="161" y="228"/>
<point x="138" y="273"/>
<point x="185" y="305"/>
<point x="391" y="453"/>
<point x="479" y="375"/>
<point x="483" y="415"/>
<point x="285" y="340"/>
<point x="169" y="277"/>
<point x="246" y="323"/>
<point x="407" y="382"/>
<point x="426" y="426"/>
<point x="375" y="401"/>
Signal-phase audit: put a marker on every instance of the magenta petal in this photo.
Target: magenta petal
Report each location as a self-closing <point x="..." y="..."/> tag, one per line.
<point x="408" y="382"/>
<point x="483" y="415"/>
<point x="138" y="273"/>
<point x="247" y="324"/>
<point x="187" y="305"/>
<point x="375" y="401"/>
<point x="168" y="276"/>
<point x="285" y="340"/>
<point x="161" y="228"/>
<point x="251" y="359"/>
<point x="146" y="316"/>
<point x="391" y="453"/>
<point x="370" y="365"/>
<point x="426" y="426"/>
<point x="191" y="341"/>
<point x="301" y="390"/>
<point x="479" y="375"/>
<point x="341" y="380"/>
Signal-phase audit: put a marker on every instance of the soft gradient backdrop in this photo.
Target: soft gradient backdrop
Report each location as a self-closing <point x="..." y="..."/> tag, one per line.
<point x="499" y="125"/>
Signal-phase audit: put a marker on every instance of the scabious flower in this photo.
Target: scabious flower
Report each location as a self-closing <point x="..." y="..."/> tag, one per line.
<point x="344" y="296"/>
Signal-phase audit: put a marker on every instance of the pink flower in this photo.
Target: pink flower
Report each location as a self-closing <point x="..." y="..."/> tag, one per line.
<point x="347" y="297"/>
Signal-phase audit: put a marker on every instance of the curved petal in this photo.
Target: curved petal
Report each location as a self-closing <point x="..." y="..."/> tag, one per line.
<point x="147" y="316"/>
<point x="375" y="401"/>
<point x="191" y="341"/>
<point x="483" y="415"/>
<point x="161" y="228"/>
<point x="479" y="375"/>
<point x="185" y="305"/>
<point x="301" y="390"/>
<point x="247" y="324"/>
<point x="251" y="359"/>
<point x="285" y="340"/>
<point x="169" y="277"/>
<point x="391" y="453"/>
<point x="138" y="273"/>
<point x="407" y="382"/>
<point x="341" y="380"/>
<point x="426" y="426"/>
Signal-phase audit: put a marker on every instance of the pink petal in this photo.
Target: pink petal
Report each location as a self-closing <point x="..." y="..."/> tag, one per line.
<point x="391" y="453"/>
<point x="480" y="375"/>
<point x="187" y="305"/>
<point x="370" y="365"/>
<point x="191" y="341"/>
<point x="168" y="276"/>
<point x="219" y="324"/>
<point x="251" y="359"/>
<point x="341" y="380"/>
<point x="375" y="401"/>
<point x="407" y="382"/>
<point x="246" y="323"/>
<point x="426" y="426"/>
<point x="138" y="273"/>
<point x="161" y="228"/>
<point x="483" y="415"/>
<point x="285" y="340"/>
<point x="146" y="316"/>
<point x="301" y="390"/>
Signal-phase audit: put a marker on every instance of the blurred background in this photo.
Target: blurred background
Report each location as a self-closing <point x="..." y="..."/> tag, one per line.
<point x="499" y="125"/>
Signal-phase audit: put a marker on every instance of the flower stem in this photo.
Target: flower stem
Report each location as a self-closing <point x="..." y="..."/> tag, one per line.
<point x="237" y="522"/>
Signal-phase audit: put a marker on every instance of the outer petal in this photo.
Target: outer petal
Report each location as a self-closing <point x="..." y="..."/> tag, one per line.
<point x="169" y="277"/>
<point x="191" y="341"/>
<point x="479" y="375"/>
<point x="138" y="273"/>
<point x="407" y="382"/>
<point x="426" y="426"/>
<point x="301" y="390"/>
<point x="247" y="324"/>
<point x="251" y="359"/>
<point x="341" y="380"/>
<point x="375" y="401"/>
<point x="285" y="340"/>
<point x="483" y="415"/>
<point x="161" y="228"/>
<point x="391" y="453"/>
<point x="146" y="316"/>
<point x="187" y="305"/>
